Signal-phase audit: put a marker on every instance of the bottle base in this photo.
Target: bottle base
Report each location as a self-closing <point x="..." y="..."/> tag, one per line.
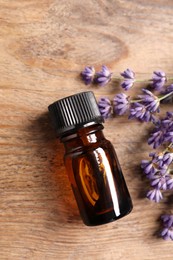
<point x="106" y="218"/>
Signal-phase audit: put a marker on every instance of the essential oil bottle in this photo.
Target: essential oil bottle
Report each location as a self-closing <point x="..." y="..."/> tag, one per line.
<point x="90" y="160"/>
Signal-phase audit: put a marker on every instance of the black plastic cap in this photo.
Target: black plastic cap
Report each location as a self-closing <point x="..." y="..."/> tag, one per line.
<point x="73" y="112"/>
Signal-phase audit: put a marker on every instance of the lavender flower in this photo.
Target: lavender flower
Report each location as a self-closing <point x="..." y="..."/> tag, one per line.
<point x="161" y="182"/>
<point x="169" y="89"/>
<point x="88" y="75"/>
<point x="167" y="220"/>
<point x="167" y="122"/>
<point x="169" y="134"/>
<point x="103" y="77"/>
<point x="154" y="195"/>
<point x="157" y="167"/>
<point x="121" y="103"/>
<point x="157" y="171"/>
<point x="149" y="168"/>
<point x="145" y="107"/>
<point x="140" y="112"/>
<point x="167" y="93"/>
<point x="150" y="100"/>
<point x="159" y="79"/>
<point x="129" y="77"/>
<point x="165" y="159"/>
<point x="158" y="136"/>
<point x="163" y="131"/>
<point x="170" y="184"/>
<point x="167" y="232"/>
<point x="105" y="107"/>
<point x="162" y="158"/>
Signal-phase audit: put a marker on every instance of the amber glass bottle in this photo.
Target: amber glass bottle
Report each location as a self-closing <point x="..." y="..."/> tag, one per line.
<point x="91" y="162"/>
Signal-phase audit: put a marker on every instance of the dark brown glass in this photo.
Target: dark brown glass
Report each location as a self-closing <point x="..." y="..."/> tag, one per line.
<point x="95" y="175"/>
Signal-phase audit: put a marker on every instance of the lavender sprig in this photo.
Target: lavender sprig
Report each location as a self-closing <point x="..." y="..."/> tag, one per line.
<point x="157" y="171"/>
<point x="163" y="131"/>
<point x="158" y="168"/>
<point x="144" y="107"/>
<point x="127" y="79"/>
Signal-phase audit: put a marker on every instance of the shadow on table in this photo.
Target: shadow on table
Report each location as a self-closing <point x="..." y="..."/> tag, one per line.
<point x="55" y="189"/>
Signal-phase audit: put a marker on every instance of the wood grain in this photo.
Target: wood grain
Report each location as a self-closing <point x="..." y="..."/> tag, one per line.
<point x="44" y="45"/>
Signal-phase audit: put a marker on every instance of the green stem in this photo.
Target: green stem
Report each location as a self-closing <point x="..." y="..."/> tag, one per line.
<point x="135" y="80"/>
<point x="138" y="80"/>
<point x="165" y="96"/>
<point x="169" y="78"/>
<point x="142" y="80"/>
<point x="159" y="99"/>
<point x="134" y="101"/>
<point x="117" y="78"/>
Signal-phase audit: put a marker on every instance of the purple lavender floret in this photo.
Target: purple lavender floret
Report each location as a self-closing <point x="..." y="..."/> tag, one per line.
<point x="167" y="93"/>
<point x="162" y="159"/>
<point x="159" y="79"/>
<point x="158" y="136"/>
<point x="105" y="107"/>
<point x="129" y="79"/>
<point x="104" y="76"/>
<point x="167" y="122"/>
<point x="170" y="184"/>
<point x="169" y="115"/>
<point x="140" y="112"/>
<point x="165" y="159"/>
<point x="121" y="103"/>
<point x="161" y="182"/>
<point x="167" y="220"/>
<point x="128" y="74"/>
<point x="148" y="168"/>
<point x="150" y="101"/>
<point x="157" y="172"/>
<point x="154" y="195"/>
<point x="167" y="232"/>
<point x="169" y="89"/>
<point x="88" y="75"/>
<point x="157" y="166"/>
<point x="169" y="134"/>
<point x="163" y="131"/>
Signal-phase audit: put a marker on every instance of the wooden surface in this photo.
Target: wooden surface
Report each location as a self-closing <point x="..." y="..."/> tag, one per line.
<point x="43" y="46"/>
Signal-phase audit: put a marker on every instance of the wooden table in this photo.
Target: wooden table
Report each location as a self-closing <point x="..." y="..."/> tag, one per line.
<point x="43" y="47"/>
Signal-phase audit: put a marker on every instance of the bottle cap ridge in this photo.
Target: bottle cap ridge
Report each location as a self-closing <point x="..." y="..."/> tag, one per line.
<point x="73" y="112"/>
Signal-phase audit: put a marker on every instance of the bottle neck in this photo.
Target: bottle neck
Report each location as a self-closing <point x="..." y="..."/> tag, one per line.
<point x="84" y="136"/>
